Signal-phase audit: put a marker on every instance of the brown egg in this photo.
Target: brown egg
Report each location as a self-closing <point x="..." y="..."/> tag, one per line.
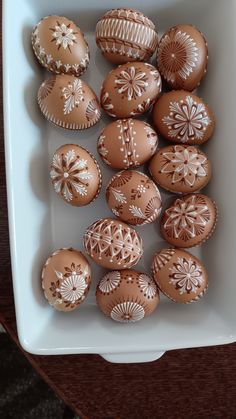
<point x="189" y="221"/>
<point x="125" y="35"/>
<point x="130" y="89"/>
<point x="180" y="168"/>
<point x="75" y="175"/>
<point x="69" y="102"/>
<point x="182" y="57"/>
<point x="59" y="45"/>
<point x="66" y="278"/>
<point x="179" y="275"/>
<point x="133" y="197"/>
<point x="127" y="143"/>
<point x="113" y="244"/>
<point x="181" y="117"/>
<point x="127" y="296"/>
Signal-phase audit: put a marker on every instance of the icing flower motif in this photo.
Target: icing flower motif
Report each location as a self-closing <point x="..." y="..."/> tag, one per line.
<point x="73" y="283"/>
<point x="177" y="55"/>
<point x="184" y="166"/>
<point x="186" y="219"/>
<point x="106" y="103"/>
<point x="127" y="312"/>
<point x="68" y="173"/>
<point x="109" y="282"/>
<point x="73" y="95"/>
<point x="131" y="82"/>
<point x="63" y="36"/>
<point x="186" y="276"/>
<point x="187" y="120"/>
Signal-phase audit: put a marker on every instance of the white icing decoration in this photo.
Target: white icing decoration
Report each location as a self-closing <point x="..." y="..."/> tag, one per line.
<point x="186" y="276"/>
<point x="127" y="312"/>
<point x="73" y="95"/>
<point x="109" y="282"/>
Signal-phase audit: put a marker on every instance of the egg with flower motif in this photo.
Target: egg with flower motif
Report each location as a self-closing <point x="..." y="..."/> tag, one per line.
<point x="127" y="296"/>
<point x="68" y="102"/>
<point x="75" y="175"/>
<point x="66" y="279"/>
<point x="133" y="197"/>
<point x="180" y="168"/>
<point x="182" y="57"/>
<point x="127" y="143"/>
<point x="126" y="35"/>
<point x="130" y="89"/>
<point x="60" y="46"/>
<point x="179" y="275"/>
<point x="182" y="117"/>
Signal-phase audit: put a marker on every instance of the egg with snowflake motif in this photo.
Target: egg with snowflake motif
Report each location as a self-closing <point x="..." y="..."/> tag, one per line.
<point x="75" y="175"/>
<point x="66" y="279"/>
<point x="179" y="275"/>
<point x="127" y="143"/>
<point x="182" y="117"/>
<point x="127" y="296"/>
<point x="113" y="244"/>
<point x="60" y="46"/>
<point x="133" y="197"/>
<point x="68" y="102"/>
<point x="182" y="57"/>
<point x="130" y="89"/>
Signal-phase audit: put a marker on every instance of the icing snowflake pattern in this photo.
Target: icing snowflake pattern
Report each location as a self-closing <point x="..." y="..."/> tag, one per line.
<point x="69" y="174"/>
<point x="177" y="56"/>
<point x="187" y="120"/>
<point x="131" y="83"/>
<point x="73" y="95"/>
<point x="187" y="218"/>
<point x="147" y="286"/>
<point x="109" y="282"/>
<point x="63" y="35"/>
<point x="127" y="312"/>
<point x="70" y="287"/>
<point x="186" y="276"/>
<point x="184" y="166"/>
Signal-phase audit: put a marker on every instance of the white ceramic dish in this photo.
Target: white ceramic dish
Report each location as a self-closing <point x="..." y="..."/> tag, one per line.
<point x="41" y="222"/>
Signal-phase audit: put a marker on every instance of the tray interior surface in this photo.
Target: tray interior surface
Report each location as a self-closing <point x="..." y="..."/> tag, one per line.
<point x="41" y="222"/>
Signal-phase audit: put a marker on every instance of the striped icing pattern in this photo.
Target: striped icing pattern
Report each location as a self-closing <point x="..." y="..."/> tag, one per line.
<point x="128" y="31"/>
<point x="129" y="14"/>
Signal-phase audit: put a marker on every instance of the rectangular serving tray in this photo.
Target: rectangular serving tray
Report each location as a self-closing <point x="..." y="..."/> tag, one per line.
<point x="41" y="222"/>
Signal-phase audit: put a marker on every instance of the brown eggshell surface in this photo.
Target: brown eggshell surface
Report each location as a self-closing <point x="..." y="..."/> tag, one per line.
<point x="133" y="197"/>
<point x="130" y="89"/>
<point x="69" y="102"/>
<point x="127" y="143"/>
<point x="179" y="275"/>
<point x="126" y="35"/>
<point x="113" y="244"/>
<point x="182" y="57"/>
<point x="75" y="175"/>
<point x="60" y="46"/>
<point x="180" y="168"/>
<point x="189" y="220"/>
<point x="181" y="117"/>
<point x="127" y="296"/>
<point x="66" y="278"/>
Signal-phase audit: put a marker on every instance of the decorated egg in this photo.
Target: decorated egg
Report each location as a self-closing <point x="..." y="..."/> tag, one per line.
<point x="75" y="175"/>
<point x="127" y="296"/>
<point x="179" y="275"/>
<point x="189" y="220"/>
<point x="126" y="35"/>
<point x="184" y="118"/>
<point x="66" y="278"/>
<point x="130" y="89"/>
<point x="133" y="197"/>
<point x="60" y="46"/>
<point x="68" y="102"/>
<point x="180" y="168"/>
<point x="127" y="143"/>
<point x="113" y="244"/>
<point x="182" y="57"/>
